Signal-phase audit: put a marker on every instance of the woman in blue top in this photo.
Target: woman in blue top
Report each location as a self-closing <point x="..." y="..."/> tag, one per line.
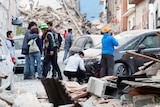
<point x="107" y="60"/>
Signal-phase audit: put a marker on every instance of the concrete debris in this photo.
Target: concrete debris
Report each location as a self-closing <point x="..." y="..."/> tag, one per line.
<point x="140" y="90"/>
<point x="4" y="104"/>
<point x="63" y="13"/>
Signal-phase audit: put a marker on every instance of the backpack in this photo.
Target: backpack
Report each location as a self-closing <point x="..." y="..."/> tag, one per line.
<point x="58" y="39"/>
<point x="33" y="46"/>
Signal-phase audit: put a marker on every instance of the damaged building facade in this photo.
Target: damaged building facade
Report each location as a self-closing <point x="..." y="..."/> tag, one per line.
<point x="9" y="10"/>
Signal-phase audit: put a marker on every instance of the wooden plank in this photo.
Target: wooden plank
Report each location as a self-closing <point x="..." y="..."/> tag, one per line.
<point x="3" y="76"/>
<point x="143" y="56"/>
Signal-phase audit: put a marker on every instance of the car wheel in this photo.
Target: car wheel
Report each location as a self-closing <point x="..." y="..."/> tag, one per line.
<point x="120" y="69"/>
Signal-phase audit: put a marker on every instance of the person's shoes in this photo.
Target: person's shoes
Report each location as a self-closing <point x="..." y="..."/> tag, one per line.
<point x="41" y="77"/>
<point x="60" y="78"/>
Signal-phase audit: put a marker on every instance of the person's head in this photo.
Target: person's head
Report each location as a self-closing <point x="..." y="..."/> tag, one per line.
<point x="69" y="30"/>
<point x="34" y="31"/>
<point x="9" y="34"/>
<point x="32" y="25"/>
<point x="81" y="54"/>
<point x="107" y="30"/>
<point x="43" y="27"/>
<point x="50" y="25"/>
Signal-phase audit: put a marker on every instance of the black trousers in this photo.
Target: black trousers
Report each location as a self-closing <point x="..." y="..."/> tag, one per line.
<point x="47" y="62"/>
<point x="80" y="75"/>
<point x="107" y="65"/>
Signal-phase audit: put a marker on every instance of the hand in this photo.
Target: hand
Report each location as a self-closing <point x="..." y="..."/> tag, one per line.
<point x="51" y="52"/>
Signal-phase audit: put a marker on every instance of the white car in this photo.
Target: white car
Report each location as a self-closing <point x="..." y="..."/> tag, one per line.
<point x="20" y="58"/>
<point x="6" y="66"/>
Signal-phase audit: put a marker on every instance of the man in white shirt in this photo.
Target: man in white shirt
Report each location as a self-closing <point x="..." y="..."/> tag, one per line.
<point x="75" y="67"/>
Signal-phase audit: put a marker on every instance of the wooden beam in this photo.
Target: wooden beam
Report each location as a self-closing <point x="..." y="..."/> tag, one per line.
<point x="143" y="56"/>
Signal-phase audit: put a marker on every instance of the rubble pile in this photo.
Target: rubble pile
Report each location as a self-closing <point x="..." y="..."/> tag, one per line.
<point x="139" y="90"/>
<point x="63" y="13"/>
<point x="21" y="98"/>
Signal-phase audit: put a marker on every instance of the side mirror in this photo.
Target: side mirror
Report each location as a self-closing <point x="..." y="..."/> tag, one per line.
<point x="2" y="57"/>
<point x="140" y="48"/>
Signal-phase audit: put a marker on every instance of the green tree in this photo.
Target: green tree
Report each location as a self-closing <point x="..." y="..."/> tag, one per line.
<point x="20" y="30"/>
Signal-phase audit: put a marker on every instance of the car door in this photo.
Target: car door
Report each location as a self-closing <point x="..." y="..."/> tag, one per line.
<point x="129" y="59"/>
<point x="151" y="42"/>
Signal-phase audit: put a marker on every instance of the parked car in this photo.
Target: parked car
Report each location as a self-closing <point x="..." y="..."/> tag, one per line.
<point x="6" y="66"/>
<point x="85" y="42"/>
<point x="126" y="64"/>
<point x="20" y="60"/>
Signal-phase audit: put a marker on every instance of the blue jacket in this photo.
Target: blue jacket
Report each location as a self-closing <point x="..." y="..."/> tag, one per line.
<point x="27" y="37"/>
<point x="108" y="43"/>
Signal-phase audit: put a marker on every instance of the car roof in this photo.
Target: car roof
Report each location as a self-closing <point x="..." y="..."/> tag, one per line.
<point x="126" y="36"/>
<point x="95" y="38"/>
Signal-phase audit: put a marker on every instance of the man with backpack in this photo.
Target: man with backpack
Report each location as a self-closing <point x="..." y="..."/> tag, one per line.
<point x="56" y="35"/>
<point x="50" y="52"/>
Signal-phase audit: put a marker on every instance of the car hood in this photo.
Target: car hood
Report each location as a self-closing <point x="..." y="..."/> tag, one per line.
<point x="92" y="52"/>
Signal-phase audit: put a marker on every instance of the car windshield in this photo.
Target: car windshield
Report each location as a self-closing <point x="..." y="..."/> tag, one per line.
<point x="18" y="43"/>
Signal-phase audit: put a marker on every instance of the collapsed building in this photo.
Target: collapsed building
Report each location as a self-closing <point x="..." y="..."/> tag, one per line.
<point x="63" y="13"/>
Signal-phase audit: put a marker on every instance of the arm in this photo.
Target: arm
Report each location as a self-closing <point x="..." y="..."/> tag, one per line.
<point x="115" y="42"/>
<point x="66" y="61"/>
<point x="81" y="65"/>
<point x="31" y="36"/>
<point x="51" y="44"/>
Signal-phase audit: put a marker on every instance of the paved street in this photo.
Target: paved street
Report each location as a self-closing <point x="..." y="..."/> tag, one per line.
<point x="35" y="86"/>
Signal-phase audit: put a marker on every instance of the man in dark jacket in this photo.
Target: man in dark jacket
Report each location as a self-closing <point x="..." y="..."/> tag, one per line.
<point x="25" y="48"/>
<point x="49" y="51"/>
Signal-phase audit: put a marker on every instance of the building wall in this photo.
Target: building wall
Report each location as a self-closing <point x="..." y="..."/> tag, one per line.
<point x="142" y="14"/>
<point x="131" y="21"/>
<point x="156" y="13"/>
<point x="4" y="16"/>
<point x="7" y="10"/>
<point x="13" y="8"/>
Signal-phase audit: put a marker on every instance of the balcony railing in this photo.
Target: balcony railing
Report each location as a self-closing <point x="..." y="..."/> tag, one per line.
<point x="135" y="1"/>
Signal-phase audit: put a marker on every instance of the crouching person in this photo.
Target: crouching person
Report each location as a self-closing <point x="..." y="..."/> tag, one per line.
<point x="75" y="67"/>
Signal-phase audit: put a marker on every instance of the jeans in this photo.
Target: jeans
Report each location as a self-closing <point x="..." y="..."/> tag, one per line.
<point x="27" y="67"/>
<point x="36" y="56"/>
<point x="66" y="50"/>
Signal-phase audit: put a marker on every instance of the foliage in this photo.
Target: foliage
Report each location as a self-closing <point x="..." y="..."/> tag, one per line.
<point x="20" y="30"/>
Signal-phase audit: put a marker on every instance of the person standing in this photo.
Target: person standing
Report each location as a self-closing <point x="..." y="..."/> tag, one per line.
<point x="64" y="34"/>
<point x="36" y="56"/>
<point x="58" y="40"/>
<point x="68" y="43"/>
<point x="49" y="51"/>
<point x="11" y="45"/>
<point x="107" y="58"/>
<point x="25" y="48"/>
<point x="75" y="67"/>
